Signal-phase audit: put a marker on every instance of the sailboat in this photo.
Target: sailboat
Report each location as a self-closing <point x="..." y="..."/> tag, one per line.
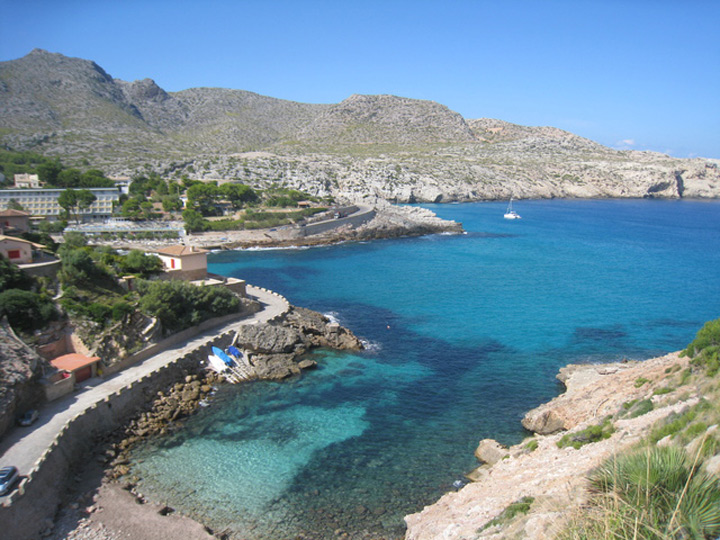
<point x="510" y="213"/>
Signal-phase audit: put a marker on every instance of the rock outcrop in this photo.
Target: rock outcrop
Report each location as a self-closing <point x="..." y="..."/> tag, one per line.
<point x="20" y="371"/>
<point x="276" y="349"/>
<point x="551" y="477"/>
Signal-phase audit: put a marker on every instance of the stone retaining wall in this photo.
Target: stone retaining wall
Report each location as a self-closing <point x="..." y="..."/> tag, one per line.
<point x="324" y="226"/>
<point x="30" y="509"/>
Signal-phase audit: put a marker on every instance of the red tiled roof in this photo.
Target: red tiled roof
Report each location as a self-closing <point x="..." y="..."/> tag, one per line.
<point x="11" y="212"/>
<point x="4" y="238"/>
<point x="73" y="361"/>
<point x="180" y="251"/>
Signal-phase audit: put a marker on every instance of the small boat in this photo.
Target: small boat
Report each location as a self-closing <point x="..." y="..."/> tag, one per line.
<point x="510" y="213"/>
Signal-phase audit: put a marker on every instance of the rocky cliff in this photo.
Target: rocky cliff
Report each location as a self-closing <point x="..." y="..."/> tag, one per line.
<point x="20" y="371"/>
<point x="545" y="476"/>
<point x="388" y="147"/>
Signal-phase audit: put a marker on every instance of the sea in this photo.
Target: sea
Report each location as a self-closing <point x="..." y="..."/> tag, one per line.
<point x="463" y="334"/>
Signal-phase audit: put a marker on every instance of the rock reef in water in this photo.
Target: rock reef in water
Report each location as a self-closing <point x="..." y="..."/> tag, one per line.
<point x="276" y="349"/>
<point x="538" y="470"/>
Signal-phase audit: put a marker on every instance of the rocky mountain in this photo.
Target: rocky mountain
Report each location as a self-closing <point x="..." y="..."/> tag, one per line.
<point x="362" y="149"/>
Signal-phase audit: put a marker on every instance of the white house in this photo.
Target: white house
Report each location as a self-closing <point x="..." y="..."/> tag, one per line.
<point x="184" y="262"/>
<point x="24" y="181"/>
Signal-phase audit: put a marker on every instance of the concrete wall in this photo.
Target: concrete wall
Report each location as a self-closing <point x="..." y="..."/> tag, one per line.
<point x="324" y="226"/>
<point x="31" y="508"/>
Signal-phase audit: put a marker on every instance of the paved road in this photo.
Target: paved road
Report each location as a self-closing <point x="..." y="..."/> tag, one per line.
<point x="22" y="447"/>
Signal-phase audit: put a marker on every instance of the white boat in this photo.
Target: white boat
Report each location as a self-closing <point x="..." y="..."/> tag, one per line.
<point x="510" y="213"/>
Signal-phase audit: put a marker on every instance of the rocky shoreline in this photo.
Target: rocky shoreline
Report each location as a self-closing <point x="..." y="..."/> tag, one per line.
<point x="546" y="475"/>
<point x="104" y="494"/>
<point x="550" y="479"/>
<point x="389" y="222"/>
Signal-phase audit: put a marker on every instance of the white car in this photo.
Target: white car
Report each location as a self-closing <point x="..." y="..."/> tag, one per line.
<point x="8" y="477"/>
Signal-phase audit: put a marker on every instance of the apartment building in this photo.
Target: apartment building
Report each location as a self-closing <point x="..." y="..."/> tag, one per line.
<point x="44" y="202"/>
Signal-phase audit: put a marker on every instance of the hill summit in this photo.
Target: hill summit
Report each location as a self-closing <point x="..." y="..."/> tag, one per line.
<point x="367" y="146"/>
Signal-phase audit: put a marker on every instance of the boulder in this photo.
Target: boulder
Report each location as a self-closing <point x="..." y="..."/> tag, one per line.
<point x="543" y="421"/>
<point x="490" y="451"/>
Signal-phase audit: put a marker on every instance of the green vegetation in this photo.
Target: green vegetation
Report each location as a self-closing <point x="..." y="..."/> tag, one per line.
<point x="26" y="310"/>
<point x="640" y="381"/>
<point x="635" y="408"/>
<point x="518" y="508"/>
<point x="676" y="424"/>
<point x="588" y="435"/>
<point x="703" y="350"/>
<point x="49" y="170"/>
<point x="651" y="493"/>
<point x="531" y="446"/>
<point x="161" y="299"/>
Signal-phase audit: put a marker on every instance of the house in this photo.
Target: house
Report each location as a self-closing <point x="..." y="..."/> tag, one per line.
<point x="25" y="181"/>
<point x="17" y="250"/>
<point x="76" y="365"/>
<point x="184" y="262"/>
<point x="14" y="219"/>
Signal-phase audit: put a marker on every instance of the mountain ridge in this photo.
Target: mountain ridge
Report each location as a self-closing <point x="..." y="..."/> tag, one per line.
<point x="367" y="146"/>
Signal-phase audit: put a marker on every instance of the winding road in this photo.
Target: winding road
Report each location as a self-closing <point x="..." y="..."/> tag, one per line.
<point x="23" y="447"/>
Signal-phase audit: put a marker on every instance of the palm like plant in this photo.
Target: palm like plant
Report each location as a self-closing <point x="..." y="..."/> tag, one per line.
<point x="657" y="493"/>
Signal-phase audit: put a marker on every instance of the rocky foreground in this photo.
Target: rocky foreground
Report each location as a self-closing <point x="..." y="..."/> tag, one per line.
<point x="549" y="480"/>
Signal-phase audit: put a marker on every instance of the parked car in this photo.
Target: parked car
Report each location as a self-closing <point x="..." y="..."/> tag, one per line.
<point x="28" y="418"/>
<point x="8" y="477"/>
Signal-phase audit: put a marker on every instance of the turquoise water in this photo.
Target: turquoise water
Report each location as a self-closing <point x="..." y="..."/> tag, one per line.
<point x="464" y="333"/>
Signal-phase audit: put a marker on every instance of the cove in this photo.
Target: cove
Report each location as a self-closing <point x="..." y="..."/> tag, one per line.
<point x="464" y="334"/>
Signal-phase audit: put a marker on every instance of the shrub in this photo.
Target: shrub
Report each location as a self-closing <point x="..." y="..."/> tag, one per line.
<point x="704" y="349"/>
<point x="639" y="408"/>
<point x="180" y="305"/>
<point x="657" y="493"/>
<point x="26" y="311"/>
<point x="12" y="277"/>
<point x="588" y="435"/>
<point x="518" y="508"/>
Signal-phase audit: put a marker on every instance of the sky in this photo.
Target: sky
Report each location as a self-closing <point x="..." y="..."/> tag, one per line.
<point x="629" y="74"/>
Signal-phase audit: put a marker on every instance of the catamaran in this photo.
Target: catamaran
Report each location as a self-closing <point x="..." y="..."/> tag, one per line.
<point x="510" y="213"/>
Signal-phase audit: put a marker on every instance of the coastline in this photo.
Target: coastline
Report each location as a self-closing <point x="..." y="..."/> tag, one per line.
<point x="551" y="478"/>
<point x="554" y="477"/>
<point x="389" y="222"/>
<point x="103" y="496"/>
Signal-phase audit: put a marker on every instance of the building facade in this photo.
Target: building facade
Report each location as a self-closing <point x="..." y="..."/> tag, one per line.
<point x="25" y="181"/>
<point x="17" y="250"/>
<point x="16" y="220"/>
<point x="184" y="262"/>
<point x="44" y="202"/>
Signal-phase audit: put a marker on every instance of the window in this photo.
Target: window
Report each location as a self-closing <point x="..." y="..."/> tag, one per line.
<point x="14" y="254"/>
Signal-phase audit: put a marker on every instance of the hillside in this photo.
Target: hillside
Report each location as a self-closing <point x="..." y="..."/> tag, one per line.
<point x="365" y="147"/>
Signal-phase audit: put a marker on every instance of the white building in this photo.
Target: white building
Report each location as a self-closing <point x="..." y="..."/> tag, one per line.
<point x="27" y="181"/>
<point x="44" y="202"/>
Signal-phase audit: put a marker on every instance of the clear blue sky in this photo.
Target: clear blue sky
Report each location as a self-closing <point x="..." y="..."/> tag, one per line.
<point x="642" y="74"/>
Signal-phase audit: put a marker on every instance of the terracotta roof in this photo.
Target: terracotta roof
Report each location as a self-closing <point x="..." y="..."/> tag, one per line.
<point x="11" y="212"/>
<point x="73" y="361"/>
<point x="180" y="251"/>
<point x="21" y="240"/>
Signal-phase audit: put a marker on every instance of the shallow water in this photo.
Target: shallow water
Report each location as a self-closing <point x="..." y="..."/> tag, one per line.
<point x="464" y="333"/>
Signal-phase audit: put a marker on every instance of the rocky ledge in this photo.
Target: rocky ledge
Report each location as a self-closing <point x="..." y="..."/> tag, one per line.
<point x="548" y="480"/>
<point x="277" y="350"/>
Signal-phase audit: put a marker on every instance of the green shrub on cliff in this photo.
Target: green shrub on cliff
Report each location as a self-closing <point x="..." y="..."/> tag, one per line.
<point x="180" y="305"/>
<point x="588" y="435"/>
<point x="703" y="350"/>
<point x="654" y="492"/>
